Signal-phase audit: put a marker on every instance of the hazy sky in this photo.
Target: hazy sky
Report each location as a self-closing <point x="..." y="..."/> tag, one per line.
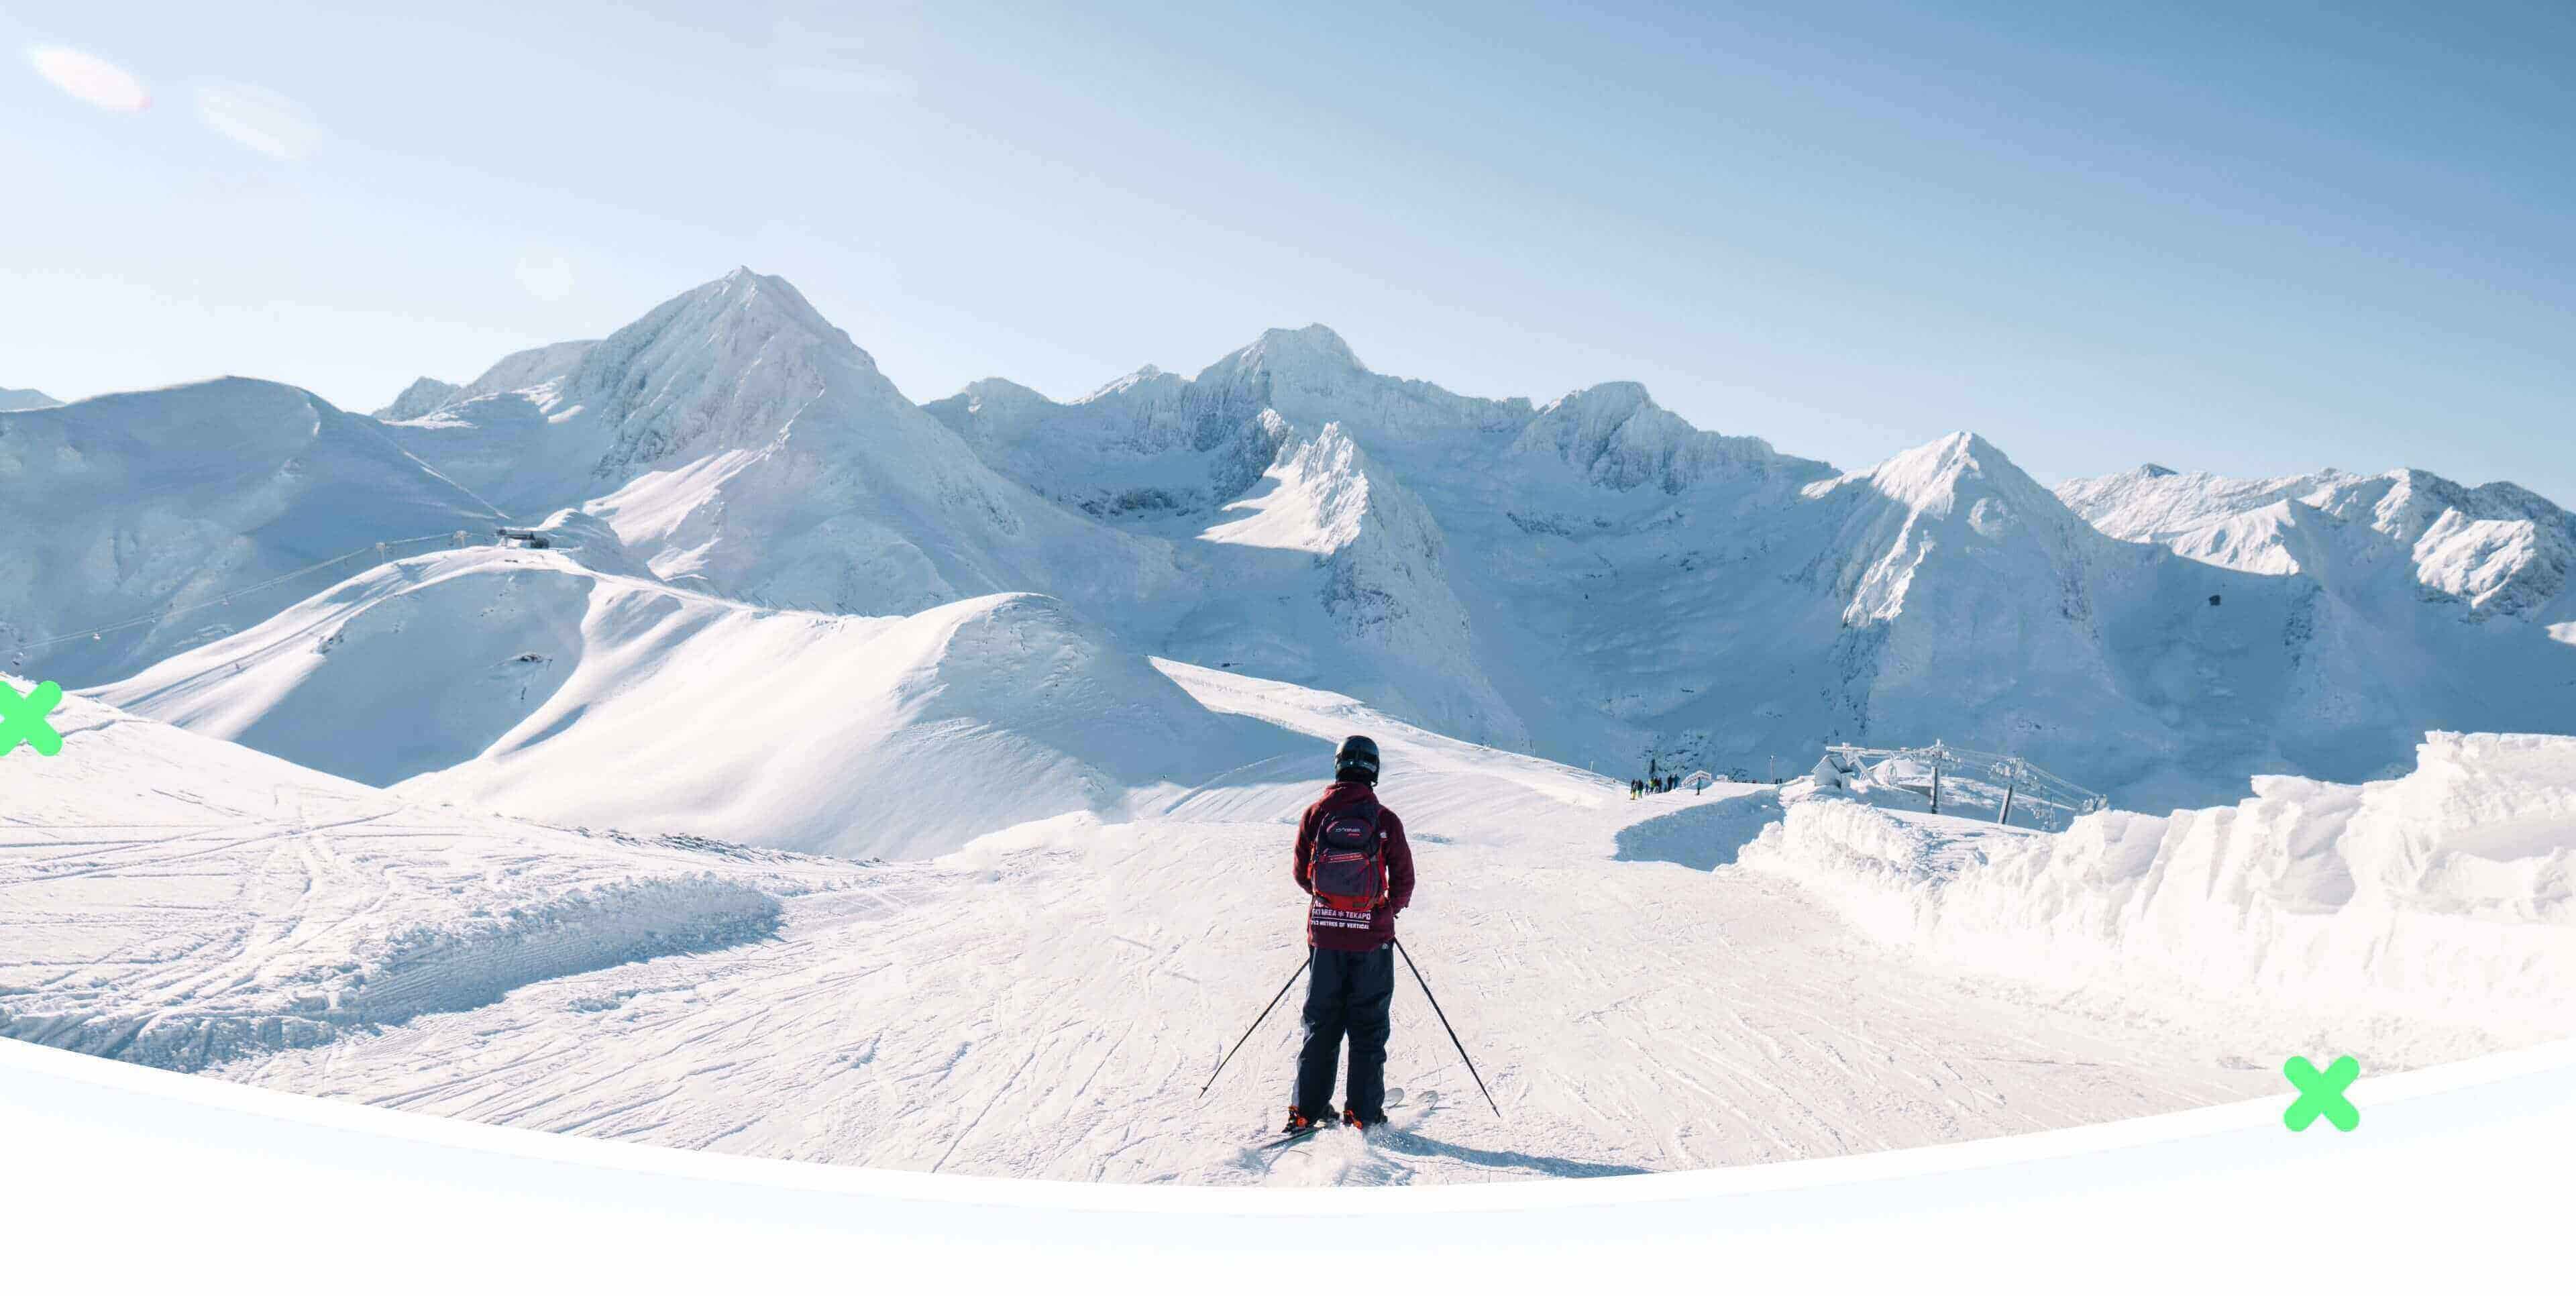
<point x="2248" y="237"/>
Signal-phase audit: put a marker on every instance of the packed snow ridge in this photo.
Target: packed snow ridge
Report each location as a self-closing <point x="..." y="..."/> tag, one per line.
<point x="2443" y="899"/>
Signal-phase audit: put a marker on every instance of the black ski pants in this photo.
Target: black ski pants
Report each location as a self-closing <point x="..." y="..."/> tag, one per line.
<point x="1347" y="994"/>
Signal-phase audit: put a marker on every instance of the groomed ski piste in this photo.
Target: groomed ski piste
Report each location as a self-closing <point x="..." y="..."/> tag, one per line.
<point x="1682" y="981"/>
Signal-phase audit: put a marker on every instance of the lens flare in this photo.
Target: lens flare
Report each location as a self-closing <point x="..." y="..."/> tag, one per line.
<point x="89" y="78"/>
<point x="258" y="119"/>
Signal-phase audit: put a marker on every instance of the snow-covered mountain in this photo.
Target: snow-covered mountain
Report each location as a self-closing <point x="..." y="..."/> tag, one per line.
<point x="2494" y="550"/>
<point x="24" y="398"/>
<point x="424" y="395"/>
<point x="143" y="505"/>
<point x="1631" y="585"/>
<point x="740" y="444"/>
<point x="1592" y="577"/>
<point x="2414" y="603"/>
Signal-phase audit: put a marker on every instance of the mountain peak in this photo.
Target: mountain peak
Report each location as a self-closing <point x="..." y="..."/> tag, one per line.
<point x="2156" y="470"/>
<point x="745" y="291"/>
<point x="13" y="399"/>
<point x="1311" y="345"/>
<point x="1620" y="394"/>
<point x="1937" y="476"/>
<point x="424" y="394"/>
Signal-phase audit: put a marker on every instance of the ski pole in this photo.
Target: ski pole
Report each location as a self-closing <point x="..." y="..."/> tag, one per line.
<point x="1256" y="1024"/>
<point x="1444" y="1025"/>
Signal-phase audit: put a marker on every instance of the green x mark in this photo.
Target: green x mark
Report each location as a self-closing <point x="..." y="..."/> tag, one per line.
<point x="2321" y="1094"/>
<point x="22" y="719"/>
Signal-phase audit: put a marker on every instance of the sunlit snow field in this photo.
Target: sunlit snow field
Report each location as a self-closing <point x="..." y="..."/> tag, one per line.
<point x="1047" y="1000"/>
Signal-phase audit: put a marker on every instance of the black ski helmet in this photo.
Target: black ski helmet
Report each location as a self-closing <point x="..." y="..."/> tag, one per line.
<point x="1356" y="762"/>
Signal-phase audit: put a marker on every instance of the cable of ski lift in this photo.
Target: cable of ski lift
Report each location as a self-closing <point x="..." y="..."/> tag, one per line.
<point x="97" y="633"/>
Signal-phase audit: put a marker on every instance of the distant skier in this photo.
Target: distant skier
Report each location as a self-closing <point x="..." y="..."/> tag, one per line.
<point x="1352" y="860"/>
<point x="1636" y="788"/>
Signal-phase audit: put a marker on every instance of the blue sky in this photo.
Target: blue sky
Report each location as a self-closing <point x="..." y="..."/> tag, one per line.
<point x="2252" y="238"/>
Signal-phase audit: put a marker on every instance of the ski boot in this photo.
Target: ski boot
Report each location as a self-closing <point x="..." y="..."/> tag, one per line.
<point x="1298" y="1122"/>
<point x="1352" y="1118"/>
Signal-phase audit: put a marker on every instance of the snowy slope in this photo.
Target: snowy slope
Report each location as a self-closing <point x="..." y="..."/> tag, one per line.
<point x="1049" y="1000"/>
<point x="534" y="683"/>
<point x="24" y="398"/>
<point x="176" y="901"/>
<point x="131" y="505"/>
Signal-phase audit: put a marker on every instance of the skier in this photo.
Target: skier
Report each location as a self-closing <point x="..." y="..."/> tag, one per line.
<point x="1636" y="788"/>
<point x="1352" y="860"/>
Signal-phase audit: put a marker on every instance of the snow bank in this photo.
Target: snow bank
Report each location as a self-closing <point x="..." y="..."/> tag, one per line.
<point x="178" y="901"/>
<point x="2442" y="896"/>
<point x="446" y="966"/>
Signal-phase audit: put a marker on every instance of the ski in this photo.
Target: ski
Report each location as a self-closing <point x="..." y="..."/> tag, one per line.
<point x="1393" y="1097"/>
<point x="1301" y="1135"/>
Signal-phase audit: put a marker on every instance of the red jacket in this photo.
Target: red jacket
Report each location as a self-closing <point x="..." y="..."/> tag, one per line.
<point x="1399" y="872"/>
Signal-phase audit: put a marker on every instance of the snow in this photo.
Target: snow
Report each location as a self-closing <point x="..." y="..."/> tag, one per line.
<point x="2498" y="549"/>
<point x="125" y="505"/>
<point x="1591" y="578"/>
<point x="529" y="682"/>
<point x="910" y="785"/>
<point x="177" y="901"/>
<point x="1643" y="588"/>
<point x="2394" y="918"/>
<point x="1048" y="1000"/>
<point x="24" y="398"/>
<point x="422" y="397"/>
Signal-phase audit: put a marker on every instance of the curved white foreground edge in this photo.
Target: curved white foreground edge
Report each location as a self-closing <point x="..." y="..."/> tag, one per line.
<point x="117" y="1177"/>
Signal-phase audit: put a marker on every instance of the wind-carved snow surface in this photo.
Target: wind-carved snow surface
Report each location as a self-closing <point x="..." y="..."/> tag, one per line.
<point x="177" y="901"/>
<point x="2415" y="918"/>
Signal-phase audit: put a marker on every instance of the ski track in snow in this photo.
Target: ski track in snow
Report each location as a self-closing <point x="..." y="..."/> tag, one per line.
<point x="1048" y="1001"/>
<point x="993" y="1014"/>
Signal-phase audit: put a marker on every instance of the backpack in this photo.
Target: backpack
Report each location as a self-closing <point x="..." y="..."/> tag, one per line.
<point x="1350" y="859"/>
